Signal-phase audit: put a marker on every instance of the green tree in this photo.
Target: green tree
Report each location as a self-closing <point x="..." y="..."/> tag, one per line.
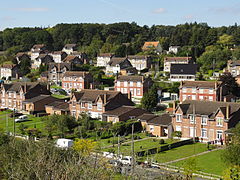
<point x="150" y="99"/>
<point x="25" y="66"/>
<point x="190" y="166"/>
<point x="230" y="82"/>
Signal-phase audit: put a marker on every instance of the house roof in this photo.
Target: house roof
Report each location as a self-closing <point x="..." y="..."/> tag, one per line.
<point x="40" y="98"/>
<point x="76" y="73"/>
<point x="164" y="119"/>
<point x="234" y="63"/>
<point x="105" y="55"/>
<point x="44" y="74"/>
<point x="91" y="95"/>
<point x="70" y="58"/>
<point x="208" y="108"/>
<point x="204" y="84"/>
<point x="148" y="45"/>
<point x="59" y="105"/>
<point x="124" y="110"/>
<point x="8" y="66"/>
<point x="16" y="86"/>
<point x="20" y="54"/>
<point x="138" y="57"/>
<point x="70" y="46"/>
<point x="57" y="52"/>
<point x="116" y="60"/>
<point x="177" y="58"/>
<point x="60" y="65"/>
<point x="189" y="69"/>
<point x="131" y="78"/>
<point x="38" y="46"/>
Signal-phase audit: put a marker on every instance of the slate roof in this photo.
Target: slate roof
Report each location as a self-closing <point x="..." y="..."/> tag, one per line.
<point x="106" y="55"/>
<point x="39" y="98"/>
<point x="18" y="85"/>
<point x="177" y="58"/>
<point x="70" y="46"/>
<point x="59" y="105"/>
<point x="185" y="69"/>
<point x="164" y="119"/>
<point x="125" y="110"/>
<point x="116" y="60"/>
<point x="138" y="57"/>
<point x="60" y="65"/>
<point x="76" y="73"/>
<point x="204" y="84"/>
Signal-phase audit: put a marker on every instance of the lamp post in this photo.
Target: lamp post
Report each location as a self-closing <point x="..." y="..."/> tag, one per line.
<point x="14" y="123"/>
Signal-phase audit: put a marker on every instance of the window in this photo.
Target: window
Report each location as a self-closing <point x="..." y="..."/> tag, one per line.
<point x="3" y="102"/>
<point x="125" y="83"/>
<point x="151" y="128"/>
<point x="178" y="118"/>
<point x="99" y="106"/>
<point x="3" y="93"/>
<point x="9" y="94"/>
<point x="210" y="91"/>
<point x="138" y="84"/>
<point x="82" y="105"/>
<point x="204" y="133"/>
<point x="73" y="113"/>
<point x="125" y="91"/>
<point x="184" y="89"/>
<point x="192" y="132"/>
<point x="193" y="97"/>
<point x="118" y="89"/>
<point x="184" y="97"/>
<point x="14" y="95"/>
<point x="131" y="83"/>
<point x="201" y="91"/>
<point x="194" y="90"/>
<point x="80" y="85"/>
<point x="210" y="98"/>
<point x="65" y="85"/>
<point x="138" y="92"/>
<point x="219" y="121"/>
<point x="90" y="105"/>
<point x="204" y="120"/>
<point x="201" y="97"/>
<point x="219" y="134"/>
<point x="118" y="83"/>
<point x="192" y="119"/>
<point x="178" y="128"/>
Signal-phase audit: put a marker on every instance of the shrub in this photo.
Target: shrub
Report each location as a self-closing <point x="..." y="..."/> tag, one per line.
<point x="161" y="141"/>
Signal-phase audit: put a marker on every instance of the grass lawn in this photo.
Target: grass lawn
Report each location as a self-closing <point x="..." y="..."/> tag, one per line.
<point x="140" y="145"/>
<point x="59" y="96"/>
<point x="209" y="163"/>
<point x="7" y="123"/>
<point x="177" y="153"/>
<point x="56" y="87"/>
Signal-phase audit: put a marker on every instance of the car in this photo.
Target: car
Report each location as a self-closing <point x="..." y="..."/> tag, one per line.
<point x="21" y="118"/>
<point x="126" y="160"/>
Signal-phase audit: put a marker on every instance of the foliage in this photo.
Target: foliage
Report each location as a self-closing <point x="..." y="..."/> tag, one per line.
<point x="161" y="141"/>
<point x="232" y="173"/>
<point x="84" y="146"/>
<point x="190" y="166"/>
<point x="25" y="66"/>
<point x="150" y="99"/>
<point x="230" y="82"/>
<point x="22" y="128"/>
<point x="177" y="134"/>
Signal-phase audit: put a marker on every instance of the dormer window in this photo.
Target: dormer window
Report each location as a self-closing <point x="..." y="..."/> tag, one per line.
<point x="178" y="118"/>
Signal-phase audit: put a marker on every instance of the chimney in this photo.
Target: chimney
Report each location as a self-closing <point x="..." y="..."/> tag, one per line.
<point x="48" y="86"/>
<point x="174" y="106"/>
<point x="105" y="98"/>
<point x="129" y="95"/>
<point x="227" y="111"/>
<point x="25" y="87"/>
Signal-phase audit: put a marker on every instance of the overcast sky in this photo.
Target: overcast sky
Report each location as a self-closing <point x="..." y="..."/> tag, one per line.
<point x="43" y="13"/>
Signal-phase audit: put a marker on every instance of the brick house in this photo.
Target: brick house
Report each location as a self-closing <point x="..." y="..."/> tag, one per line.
<point x="37" y="104"/>
<point x="157" y="125"/>
<point x="207" y="120"/>
<point x="36" y="50"/>
<point x="140" y="62"/>
<point x="58" y="56"/>
<point x="115" y="65"/>
<point x="57" y="107"/>
<point x="57" y="70"/>
<point x="103" y="59"/>
<point x="77" y="80"/>
<point x="123" y="113"/>
<point x="9" y="71"/>
<point x="168" y="61"/>
<point x="183" y="72"/>
<point x="13" y="95"/>
<point x="42" y="59"/>
<point x="136" y="85"/>
<point x="69" y="48"/>
<point x="155" y="45"/>
<point x="21" y="55"/>
<point x="96" y="102"/>
<point x="202" y="90"/>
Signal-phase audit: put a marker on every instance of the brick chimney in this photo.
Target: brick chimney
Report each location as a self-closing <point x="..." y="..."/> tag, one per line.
<point x="105" y="98"/>
<point x="227" y="111"/>
<point x="174" y="106"/>
<point x="25" y="87"/>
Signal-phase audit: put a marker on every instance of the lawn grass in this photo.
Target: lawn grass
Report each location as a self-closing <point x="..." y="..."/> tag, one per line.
<point x="177" y="153"/>
<point x="59" y="96"/>
<point x="7" y="123"/>
<point x="55" y="87"/>
<point x="140" y="145"/>
<point x="208" y="163"/>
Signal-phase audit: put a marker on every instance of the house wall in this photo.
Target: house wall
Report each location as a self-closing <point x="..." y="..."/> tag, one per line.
<point x="141" y="64"/>
<point x="102" y="61"/>
<point x="181" y="77"/>
<point x="113" y="119"/>
<point x="6" y="72"/>
<point x="136" y="88"/>
<point x="167" y="64"/>
<point x="187" y="128"/>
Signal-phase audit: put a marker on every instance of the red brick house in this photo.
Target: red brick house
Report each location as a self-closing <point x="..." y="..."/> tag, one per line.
<point x="96" y="102"/>
<point x="136" y="85"/>
<point x="77" y="80"/>
<point x="13" y="95"/>
<point x="207" y="120"/>
<point x="202" y="90"/>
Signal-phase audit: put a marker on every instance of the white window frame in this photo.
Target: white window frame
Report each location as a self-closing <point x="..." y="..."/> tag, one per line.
<point x="125" y="84"/>
<point x="178" y="117"/>
<point x="82" y="105"/>
<point x="194" y="90"/>
<point x="204" y="122"/>
<point x="192" y="119"/>
<point x="89" y="105"/>
<point x="99" y="106"/>
<point x="184" y="89"/>
<point x="178" y="128"/>
<point x="131" y="83"/>
<point x="118" y="83"/>
<point x="211" y="91"/>
<point x="217" y="121"/>
<point x="217" y="133"/>
<point x="204" y="130"/>
<point x="139" y="84"/>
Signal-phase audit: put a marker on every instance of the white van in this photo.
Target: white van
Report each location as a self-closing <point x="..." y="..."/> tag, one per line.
<point x="64" y="143"/>
<point x="126" y="160"/>
<point x="21" y="118"/>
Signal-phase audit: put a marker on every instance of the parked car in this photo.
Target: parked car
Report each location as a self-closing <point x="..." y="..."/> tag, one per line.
<point x="126" y="160"/>
<point x="21" y="118"/>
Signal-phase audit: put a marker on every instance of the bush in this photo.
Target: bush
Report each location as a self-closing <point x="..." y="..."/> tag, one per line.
<point x="161" y="141"/>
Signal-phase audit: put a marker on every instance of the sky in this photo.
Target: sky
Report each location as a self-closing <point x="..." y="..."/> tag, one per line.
<point x="44" y="13"/>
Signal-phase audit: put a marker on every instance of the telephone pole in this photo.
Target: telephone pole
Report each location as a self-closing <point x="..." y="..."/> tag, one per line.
<point x="133" y="160"/>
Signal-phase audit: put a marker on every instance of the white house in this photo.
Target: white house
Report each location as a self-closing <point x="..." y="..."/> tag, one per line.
<point x="173" y="49"/>
<point x="116" y="65"/>
<point x="183" y="72"/>
<point x="104" y="59"/>
<point x="140" y="62"/>
<point x="69" y="48"/>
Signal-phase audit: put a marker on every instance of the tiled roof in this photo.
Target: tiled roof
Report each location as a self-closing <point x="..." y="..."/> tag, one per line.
<point x="41" y="97"/>
<point x="138" y="57"/>
<point x="131" y="78"/>
<point x="164" y="119"/>
<point x="8" y="66"/>
<point x="38" y="46"/>
<point x="148" y="45"/>
<point x="177" y="58"/>
<point x="59" y="105"/>
<point x="75" y="73"/>
<point x="70" y="58"/>
<point x="18" y="85"/>
<point x="204" y="84"/>
<point x="185" y="69"/>
<point x="106" y="55"/>
<point x="124" y="110"/>
<point x="60" y="65"/>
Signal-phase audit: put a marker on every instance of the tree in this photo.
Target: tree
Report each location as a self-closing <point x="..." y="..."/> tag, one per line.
<point x="22" y="128"/>
<point x="230" y="82"/>
<point x="190" y="166"/>
<point x="232" y="173"/>
<point x="150" y="99"/>
<point x="25" y="66"/>
<point x="84" y="146"/>
<point x="225" y="40"/>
